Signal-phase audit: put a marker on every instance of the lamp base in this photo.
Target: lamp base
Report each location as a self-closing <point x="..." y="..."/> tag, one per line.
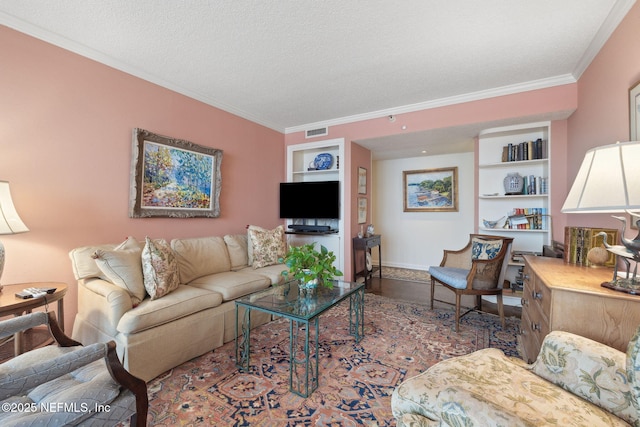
<point x="629" y="286"/>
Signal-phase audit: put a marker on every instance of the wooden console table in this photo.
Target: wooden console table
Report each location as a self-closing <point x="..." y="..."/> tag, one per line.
<point x="566" y="297"/>
<point x="362" y="247"/>
<point x="10" y="304"/>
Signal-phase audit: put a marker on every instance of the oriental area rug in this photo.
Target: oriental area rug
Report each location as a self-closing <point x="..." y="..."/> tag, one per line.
<point x="401" y="340"/>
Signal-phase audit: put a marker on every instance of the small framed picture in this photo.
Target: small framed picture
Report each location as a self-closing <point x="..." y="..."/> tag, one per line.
<point x="362" y="210"/>
<point x="634" y="112"/>
<point x="362" y="181"/>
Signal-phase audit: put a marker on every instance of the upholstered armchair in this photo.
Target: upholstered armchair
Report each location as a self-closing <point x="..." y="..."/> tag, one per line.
<point x="67" y="384"/>
<point x="573" y="382"/>
<point x="476" y="270"/>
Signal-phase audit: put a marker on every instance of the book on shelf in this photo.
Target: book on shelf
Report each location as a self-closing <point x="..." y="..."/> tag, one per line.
<point x="535" y="185"/>
<point x="526" y="150"/>
<point x="578" y="241"/>
<point x="528" y="219"/>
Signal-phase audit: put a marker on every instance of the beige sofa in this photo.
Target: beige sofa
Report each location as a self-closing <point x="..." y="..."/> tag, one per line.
<point x="195" y="313"/>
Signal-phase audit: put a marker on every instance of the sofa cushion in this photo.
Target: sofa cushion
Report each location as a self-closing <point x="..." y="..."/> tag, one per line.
<point x="159" y="268"/>
<point x="232" y="284"/>
<point x="182" y="302"/>
<point x="238" y="250"/>
<point x="200" y="256"/>
<point x="452" y="276"/>
<point x="123" y="267"/>
<point x="268" y="246"/>
<point x="271" y="272"/>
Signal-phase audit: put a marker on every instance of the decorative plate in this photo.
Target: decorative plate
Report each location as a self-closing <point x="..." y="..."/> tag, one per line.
<point x="323" y="161"/>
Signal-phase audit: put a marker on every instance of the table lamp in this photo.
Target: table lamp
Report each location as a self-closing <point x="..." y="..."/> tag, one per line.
<point x="609" y="181"/>
<point x="10" y="222"/>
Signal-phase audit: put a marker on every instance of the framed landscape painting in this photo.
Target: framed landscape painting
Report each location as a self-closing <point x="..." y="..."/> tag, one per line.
<point x="173" y="178"/>
<point x="431" y="190"/>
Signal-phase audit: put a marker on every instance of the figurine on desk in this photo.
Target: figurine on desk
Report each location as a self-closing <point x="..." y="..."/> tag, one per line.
<point x="629" y="250"/>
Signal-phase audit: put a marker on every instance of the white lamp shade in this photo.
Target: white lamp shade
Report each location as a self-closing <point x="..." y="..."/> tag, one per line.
<point x="608" y="180"/>
<point x="10" y="222"/>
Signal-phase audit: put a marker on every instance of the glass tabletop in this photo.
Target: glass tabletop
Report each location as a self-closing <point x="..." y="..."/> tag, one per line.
<point x="286" y="299"/>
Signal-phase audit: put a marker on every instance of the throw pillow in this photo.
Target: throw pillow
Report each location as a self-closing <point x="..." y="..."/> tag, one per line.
<point x="122" y="267"/>
<point x="268" y="246"/>
<point x="159" y="267"/>
<point x="485" y="249"/>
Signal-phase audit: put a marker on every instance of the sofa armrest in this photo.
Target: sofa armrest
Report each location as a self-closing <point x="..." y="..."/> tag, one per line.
<point x="588" y="369"/>
<point x="103" y="303"/>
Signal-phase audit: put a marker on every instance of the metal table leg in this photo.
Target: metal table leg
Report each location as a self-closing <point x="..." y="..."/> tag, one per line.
<point x="303" y="369"/>
<point x="356" y="314"/>
<point x="243" y="342"/>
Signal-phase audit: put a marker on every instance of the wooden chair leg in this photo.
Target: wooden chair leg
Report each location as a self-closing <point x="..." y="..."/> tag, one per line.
<point x="433" y="285"/>
<point x="457" y="312"/>
<point x="500" y="309"/>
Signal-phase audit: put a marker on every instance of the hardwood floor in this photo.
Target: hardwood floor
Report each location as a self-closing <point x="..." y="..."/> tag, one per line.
<point x="420" y="292"/>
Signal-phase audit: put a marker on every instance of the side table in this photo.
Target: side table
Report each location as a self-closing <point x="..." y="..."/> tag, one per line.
<point x="361" y="248"/>
<point x="10" y="304"/>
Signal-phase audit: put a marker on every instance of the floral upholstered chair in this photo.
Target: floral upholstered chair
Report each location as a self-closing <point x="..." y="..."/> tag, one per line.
<point x="573" y="382"/>
<point x="477" y="269"/>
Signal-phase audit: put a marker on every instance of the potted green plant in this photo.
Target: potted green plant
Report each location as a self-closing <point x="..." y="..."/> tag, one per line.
<point x="310" y="266"/>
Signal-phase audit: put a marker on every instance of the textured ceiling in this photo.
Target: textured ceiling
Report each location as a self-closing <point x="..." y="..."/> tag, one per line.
<point x="295" y="64"/>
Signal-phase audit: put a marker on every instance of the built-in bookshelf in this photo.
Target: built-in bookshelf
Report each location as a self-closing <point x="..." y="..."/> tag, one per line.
<point x="525" y="215"/>
<point x="301" y="167"/>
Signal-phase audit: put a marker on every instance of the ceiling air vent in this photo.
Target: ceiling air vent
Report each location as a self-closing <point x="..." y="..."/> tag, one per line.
<point x="312" y="133"/>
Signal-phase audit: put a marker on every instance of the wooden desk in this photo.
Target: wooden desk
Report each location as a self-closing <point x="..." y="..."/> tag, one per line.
<point x="362" y="247"/>
<point x="10" y="304"/>
<point x="566" y="297"/>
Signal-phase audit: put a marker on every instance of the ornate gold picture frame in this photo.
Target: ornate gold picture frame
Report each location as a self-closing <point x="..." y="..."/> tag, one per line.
<point x="173" y="178"/>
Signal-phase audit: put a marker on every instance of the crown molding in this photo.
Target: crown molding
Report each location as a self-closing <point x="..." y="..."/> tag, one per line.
<point x="616" y="15"/>
<point x="442" y="102"/>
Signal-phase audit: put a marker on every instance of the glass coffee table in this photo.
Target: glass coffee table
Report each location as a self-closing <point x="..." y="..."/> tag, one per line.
<point x="303" y="312"/>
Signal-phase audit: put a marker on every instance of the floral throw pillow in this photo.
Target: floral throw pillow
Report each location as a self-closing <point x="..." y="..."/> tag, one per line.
<point x="159" y="268"/>
<point x="268" y="246"/>
<point x="485" y="249"/>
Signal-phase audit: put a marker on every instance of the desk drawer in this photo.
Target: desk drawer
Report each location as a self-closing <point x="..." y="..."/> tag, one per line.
<point x="529" y="339"/>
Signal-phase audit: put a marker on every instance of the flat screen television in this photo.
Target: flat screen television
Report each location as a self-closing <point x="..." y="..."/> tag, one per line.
<point x="310" y="200"/>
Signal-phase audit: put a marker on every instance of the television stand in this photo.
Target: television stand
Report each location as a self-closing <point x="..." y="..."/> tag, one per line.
<point x="302" y="228"/>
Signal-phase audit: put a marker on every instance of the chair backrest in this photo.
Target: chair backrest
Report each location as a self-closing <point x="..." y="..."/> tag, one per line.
<point x="491" y="250"/>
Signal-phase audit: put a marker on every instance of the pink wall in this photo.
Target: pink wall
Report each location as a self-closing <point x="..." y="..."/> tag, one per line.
<point x="533" y="104"/>
<point x="602" y="117"/>
<point x="65" y="147"/>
